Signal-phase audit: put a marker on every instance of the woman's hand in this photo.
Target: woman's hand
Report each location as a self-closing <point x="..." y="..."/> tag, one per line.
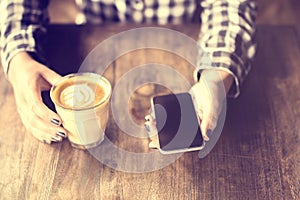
<point x="209" y="95"/>
<point x="28" y="79"/>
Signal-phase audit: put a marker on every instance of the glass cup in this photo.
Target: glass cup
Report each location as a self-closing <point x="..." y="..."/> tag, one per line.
<point x="82" y="102"/>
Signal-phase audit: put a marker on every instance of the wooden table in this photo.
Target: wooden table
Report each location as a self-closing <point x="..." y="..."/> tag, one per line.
<point x="257" y="156"/>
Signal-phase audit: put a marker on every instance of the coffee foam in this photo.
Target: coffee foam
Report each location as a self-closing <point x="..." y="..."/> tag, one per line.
<point x="80" y="92"/>
<point x="78" y="96"/>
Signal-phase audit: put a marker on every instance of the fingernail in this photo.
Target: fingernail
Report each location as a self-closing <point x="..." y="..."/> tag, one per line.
<point x="56" y="138"/>
<point x="153" y="145"/>
<point x="46" y="141"/>
<point x="55" y="121"/>
<point x="205" y="138"/>
<point x="61" y="134"/>
<point x="147" y="126"/>
<point x="147" y="118"/>
<point x="209" y="133"/>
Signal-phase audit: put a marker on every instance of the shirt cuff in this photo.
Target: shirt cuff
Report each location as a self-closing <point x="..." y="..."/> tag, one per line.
<point x="234" y="90"/>
<point x="15" y="43"/>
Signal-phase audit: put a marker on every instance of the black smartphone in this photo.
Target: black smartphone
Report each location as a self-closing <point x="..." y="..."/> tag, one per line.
<point x="177" y="123"/>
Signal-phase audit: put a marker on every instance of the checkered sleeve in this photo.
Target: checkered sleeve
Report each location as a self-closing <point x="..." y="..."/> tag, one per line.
<point x="20" y="23"/>
<point x="226" y="39"/>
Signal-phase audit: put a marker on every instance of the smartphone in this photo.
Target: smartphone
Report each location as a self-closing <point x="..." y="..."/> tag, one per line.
<point x="176" y="123"/>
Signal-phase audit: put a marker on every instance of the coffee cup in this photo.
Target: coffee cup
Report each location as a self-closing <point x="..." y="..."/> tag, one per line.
<point x="82" y="102"/>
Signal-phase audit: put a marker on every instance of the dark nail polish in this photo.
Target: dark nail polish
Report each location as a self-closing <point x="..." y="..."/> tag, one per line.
<point x="55" y="121"/>
<point x="61" y="134"/>
<point x="56" y="139"/>
<point x="209" y="133"/>
<point x="46" y="141"/>
<point x="147" y="127"/>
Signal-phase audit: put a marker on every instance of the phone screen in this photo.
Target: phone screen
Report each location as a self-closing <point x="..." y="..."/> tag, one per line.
<point x="177" y="123"/>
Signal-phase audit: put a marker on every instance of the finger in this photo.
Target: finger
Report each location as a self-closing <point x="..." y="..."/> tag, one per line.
<point x="47" y="135"/>
<point x="50" y="129"/>
<point x="195" y="92"/>
<point x="48" y="115"/>
<point x="40" y="118"/>
<point x="41" y="128"/>
<point x="200" y="114"/>
<point x="204" y="128"/>
<point x="36" y="105"/>
<point x="51" y="76"/>
<point x="154" y="144"/>
<point x="208" y="124"/>
<point x="44" y="136"/>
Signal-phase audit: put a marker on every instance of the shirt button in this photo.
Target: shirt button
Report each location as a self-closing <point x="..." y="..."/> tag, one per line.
<point x="137" y="4"/>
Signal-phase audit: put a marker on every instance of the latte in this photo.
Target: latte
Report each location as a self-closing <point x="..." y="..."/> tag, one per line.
<point x="82" y="101"/>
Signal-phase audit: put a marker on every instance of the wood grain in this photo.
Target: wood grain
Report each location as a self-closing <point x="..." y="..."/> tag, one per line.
<point x="257" y="156"/>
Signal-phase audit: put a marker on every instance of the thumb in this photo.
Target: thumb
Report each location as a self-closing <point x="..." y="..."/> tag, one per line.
<point x="204" y="128"/>
<point x="51" y="76"/>
<point x="208" y="124"/>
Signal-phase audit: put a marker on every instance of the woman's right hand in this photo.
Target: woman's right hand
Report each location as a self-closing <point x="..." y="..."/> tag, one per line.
<point x="28" y="79"/>
<point x="209" y="94"/>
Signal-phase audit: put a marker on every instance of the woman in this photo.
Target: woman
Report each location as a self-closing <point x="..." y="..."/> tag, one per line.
<point x="226" y="35"/>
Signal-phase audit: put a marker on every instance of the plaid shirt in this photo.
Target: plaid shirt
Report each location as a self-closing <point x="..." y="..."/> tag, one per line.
<point x="226" y="33"/>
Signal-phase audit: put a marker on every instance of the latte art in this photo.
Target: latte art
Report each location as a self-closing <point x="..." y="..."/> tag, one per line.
<point x="78" y="96"/>
<point x="80" y="92"/>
